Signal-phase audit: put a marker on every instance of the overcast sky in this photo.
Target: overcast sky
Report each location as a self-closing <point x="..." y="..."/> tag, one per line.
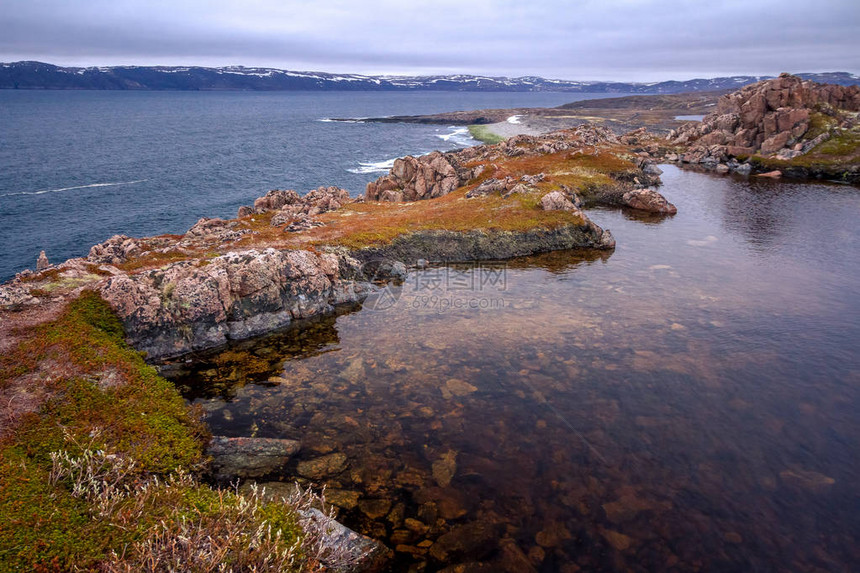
<point x="633" y="40"/>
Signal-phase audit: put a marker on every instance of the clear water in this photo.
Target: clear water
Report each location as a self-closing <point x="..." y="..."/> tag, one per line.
<point x="78" y="167"/>
<point x="690" y="402"/>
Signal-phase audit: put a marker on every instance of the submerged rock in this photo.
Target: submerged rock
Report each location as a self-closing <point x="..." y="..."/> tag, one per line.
<point x="468" y="541"/>
<point x="322" y="467"/>
<point x="249" y="457"/>
<point x="444" y="468"/>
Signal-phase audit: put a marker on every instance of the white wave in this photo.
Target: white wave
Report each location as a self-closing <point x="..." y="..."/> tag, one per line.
<point x="459" y="136"/>
<point x="43" y="191"/>
<point x="374" y="167"/>
<point x="515" y="119"/>
<point x="330" y="120"/>
<point x="455" y="133"/>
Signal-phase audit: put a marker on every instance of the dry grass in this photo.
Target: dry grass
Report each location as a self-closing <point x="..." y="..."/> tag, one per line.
<point x="188" y="527"/>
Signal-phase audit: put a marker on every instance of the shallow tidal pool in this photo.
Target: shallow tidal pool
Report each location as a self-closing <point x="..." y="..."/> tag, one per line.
<point x="688" y="402"/>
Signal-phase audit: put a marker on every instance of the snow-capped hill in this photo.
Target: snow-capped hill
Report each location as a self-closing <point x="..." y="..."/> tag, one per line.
<point x="39" y="75"/>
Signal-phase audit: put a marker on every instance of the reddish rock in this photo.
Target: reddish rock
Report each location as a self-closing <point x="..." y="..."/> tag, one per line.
<point x="736" y="150"/>
<point x="424" y="177"/>
<point x="766" y="116"/>
<point x="775" y="143"/>
<point x="648" y="200"/>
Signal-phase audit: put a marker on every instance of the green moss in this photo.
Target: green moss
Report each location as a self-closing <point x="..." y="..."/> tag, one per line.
<point x="839" y="153"/>
<point x="819" y="123"/>
<point x="841" y="144"/>
<point x="110" y="400"/>
<point x="482" y="133"/>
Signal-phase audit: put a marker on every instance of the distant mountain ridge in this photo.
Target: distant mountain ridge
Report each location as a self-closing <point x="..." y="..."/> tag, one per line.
<point x="39" y="75"/>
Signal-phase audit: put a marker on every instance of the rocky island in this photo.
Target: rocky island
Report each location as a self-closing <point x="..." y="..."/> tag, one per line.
<point x="93" y="440"/>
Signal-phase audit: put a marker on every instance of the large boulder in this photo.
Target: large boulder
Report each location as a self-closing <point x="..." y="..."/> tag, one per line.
<point x="557" y="201"/>
<point x="648" y="200"/>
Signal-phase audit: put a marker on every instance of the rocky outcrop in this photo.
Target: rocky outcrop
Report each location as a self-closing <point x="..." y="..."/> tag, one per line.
<point x="248" y="457"/>
<point x="767" y="118"/>
<point x="453" y="246"/>
<point x="413" y="178"/>
<point x="437" y="174"/>
<point x="193" y="305"/>
<point x="295" y="212"/>
<point x="314" y="202"/>
<point x="506" y="186"/>
<point x="116" y="250"/>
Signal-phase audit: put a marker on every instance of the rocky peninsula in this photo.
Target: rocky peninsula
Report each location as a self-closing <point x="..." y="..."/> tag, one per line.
<point x="90" y="434"/>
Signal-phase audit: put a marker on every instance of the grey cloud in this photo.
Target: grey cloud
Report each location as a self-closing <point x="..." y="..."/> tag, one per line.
<point x="617" y="39"/>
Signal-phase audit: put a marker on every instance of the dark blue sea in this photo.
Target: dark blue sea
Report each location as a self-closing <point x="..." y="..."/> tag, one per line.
<point x="79" y="166"/>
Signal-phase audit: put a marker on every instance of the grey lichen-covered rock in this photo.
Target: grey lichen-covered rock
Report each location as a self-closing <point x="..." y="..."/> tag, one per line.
<point x="314" y="202"/>
<point x="249" y="457"/>
<point x="344" y="550"/>
<point x="453" y="246"/>
<point x="116" y="250"/>
<point x="42" y="262"/>
<point x="557" y="201"/>
<point x="190" y="306"/>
